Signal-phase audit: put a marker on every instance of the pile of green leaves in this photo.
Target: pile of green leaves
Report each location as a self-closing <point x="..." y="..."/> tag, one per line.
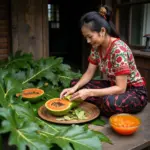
<point x="75" y="114"/>
<point x="19" y="118"/>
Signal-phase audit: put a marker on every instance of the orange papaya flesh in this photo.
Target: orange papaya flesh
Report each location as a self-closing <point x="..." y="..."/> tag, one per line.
<point x="31" y="94"/>
<point x="125" y="124"/>
<point x="58" y="107"/>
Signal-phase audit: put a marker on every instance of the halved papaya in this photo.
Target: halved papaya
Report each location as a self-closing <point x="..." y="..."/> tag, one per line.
<point x="58" y="107"/>
<point x="31" y="94"/>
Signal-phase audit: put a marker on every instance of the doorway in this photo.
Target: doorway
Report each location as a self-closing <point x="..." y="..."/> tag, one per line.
<point x="65" y="38"/>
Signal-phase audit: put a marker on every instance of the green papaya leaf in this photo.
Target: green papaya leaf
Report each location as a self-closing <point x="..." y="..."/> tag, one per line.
<point x="22" y="132"/>
<point x="24" y="110"/>
<point x="98" y="122"/>
<point x="79" y="139"/>
<point x="1" y="142"/>
<point x="2" y="95"/>
<point x="103" y="137"/>
<point x="8" y="90"/>
<point x="20" y="75"/>
<point x="19" y="60"/>
<point x="41" y="70"/>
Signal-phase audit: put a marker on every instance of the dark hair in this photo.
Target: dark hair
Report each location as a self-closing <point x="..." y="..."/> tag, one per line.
<point x="95" y="21"/>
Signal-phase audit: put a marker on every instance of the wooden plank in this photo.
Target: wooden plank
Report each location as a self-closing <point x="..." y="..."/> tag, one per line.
<point x="117" y="21"/>
<point x="3" y="45"/>
<point x="14" y="27"/>
<point x="4" y="22"/>
<point x="134" y="3"/>
<point x="3" y="34"/>
<point x="2" y="40"/>
<point x="3" y="29"/>
<point x="3" y="2"/>
<point x="142" y="62"/>
<point x="141" y="53"/>
<point x="143" y="65"/>
<point x="3" y="57"/>
<point x="138" y="141"/>
<point x="45" y="29"/>
<point x="146" y="75"/>
<point x="29" y="32"/>
<point x="3" y="51"/>
<point x="39" y="35"/>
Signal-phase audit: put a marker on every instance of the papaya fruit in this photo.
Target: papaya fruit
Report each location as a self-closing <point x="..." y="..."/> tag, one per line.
<point x="31" y="94"/>
<point x="58" y="107"/>
<point x="74" y="103"/>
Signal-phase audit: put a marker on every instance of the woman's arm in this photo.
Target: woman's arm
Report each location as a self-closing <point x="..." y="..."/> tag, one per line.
<point x="120" y="87"/>
<point x="86" y="77"/>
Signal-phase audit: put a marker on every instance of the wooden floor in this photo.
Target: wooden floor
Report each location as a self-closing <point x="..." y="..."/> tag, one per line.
<point x="138" y="141"/>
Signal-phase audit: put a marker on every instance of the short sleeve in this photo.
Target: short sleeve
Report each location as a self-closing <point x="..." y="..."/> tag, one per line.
<point x="93" y="58"/>
<point x="120" y="61"/>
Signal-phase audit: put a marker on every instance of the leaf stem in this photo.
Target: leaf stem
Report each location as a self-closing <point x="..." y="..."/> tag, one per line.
<point x="65" y="77"/>
<point x="35" y="75"/>
<point x="23" y="136"/>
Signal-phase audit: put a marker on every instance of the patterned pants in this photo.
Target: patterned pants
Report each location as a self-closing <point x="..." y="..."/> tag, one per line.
<point x="131" y="101"/>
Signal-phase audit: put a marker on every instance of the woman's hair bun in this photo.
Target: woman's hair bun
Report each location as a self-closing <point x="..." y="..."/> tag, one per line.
<point x="106" y="12"/>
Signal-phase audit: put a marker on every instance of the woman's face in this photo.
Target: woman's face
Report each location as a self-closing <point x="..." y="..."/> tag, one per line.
<point x="94" y="38"/>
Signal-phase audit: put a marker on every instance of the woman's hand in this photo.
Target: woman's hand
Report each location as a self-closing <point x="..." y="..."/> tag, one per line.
<point x="67" y="92"/>
<point x="80" y="95"/>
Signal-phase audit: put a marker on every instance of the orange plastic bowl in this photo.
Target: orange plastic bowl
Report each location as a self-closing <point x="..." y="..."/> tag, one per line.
<point x="124" y="123"/>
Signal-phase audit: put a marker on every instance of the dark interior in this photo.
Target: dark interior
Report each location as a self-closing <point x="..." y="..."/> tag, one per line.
<point x="67" y="41"/>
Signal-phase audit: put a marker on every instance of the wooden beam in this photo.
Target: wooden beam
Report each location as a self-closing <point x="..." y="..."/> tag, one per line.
<point x="133" y="3"/>
<point x="117" y="21"/>
<point x="45" y="29"/>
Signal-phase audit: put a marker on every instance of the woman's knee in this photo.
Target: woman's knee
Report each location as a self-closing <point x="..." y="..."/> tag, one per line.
<point x="110" y="106"/>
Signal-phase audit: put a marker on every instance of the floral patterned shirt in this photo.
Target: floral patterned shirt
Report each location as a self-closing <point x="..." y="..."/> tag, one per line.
<point x="118" y="60"/>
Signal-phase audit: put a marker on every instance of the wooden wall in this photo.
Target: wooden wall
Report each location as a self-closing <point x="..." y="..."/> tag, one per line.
<point x="142" y="60"/>
<point x="4" y="29"/>
<point x="30" y="27"/>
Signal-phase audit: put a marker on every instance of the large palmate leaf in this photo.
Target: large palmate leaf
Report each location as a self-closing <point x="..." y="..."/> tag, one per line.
<point x="19" y="60"/>
<point x="66" y="75"/>
<point x="2" y="97"/>
<point x="42" y="70"/>
<point x="78" y="138"/>
<point x="103" y="137"/>
<point x="23" y="133"/>
<point x="37" y="134"/>
<point x="8" y="89"/>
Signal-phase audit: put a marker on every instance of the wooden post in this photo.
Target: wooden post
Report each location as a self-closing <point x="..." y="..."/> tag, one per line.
<point x="117" y="20"/>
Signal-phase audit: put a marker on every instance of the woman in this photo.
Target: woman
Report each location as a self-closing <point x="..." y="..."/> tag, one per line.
<point x="124" y="91"/>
